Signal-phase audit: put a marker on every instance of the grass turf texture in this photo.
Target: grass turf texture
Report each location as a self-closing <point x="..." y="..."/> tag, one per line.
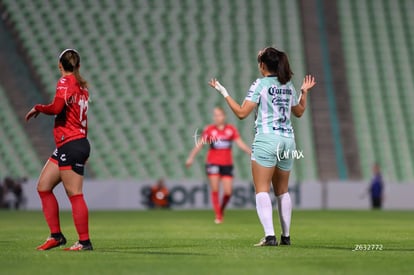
<point x="188" y="242"/>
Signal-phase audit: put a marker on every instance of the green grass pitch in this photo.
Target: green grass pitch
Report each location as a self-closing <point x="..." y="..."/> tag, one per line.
<point x="188" y="242"/>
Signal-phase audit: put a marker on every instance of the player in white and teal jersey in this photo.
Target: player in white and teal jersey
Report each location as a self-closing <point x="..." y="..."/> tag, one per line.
<point x="273" y="114"/>
<point x="275" y="99"/>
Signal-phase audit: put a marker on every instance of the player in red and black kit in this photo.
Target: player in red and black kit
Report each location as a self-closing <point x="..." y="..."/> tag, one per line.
<point x="70" y="106"/>
<point x="219" y="163"/>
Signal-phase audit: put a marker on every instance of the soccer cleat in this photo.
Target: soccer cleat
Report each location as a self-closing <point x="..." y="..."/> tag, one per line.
<point x="79" y="247"/>
<point x="267" y="241"/>
<point x="219" y="218"/>
<point x="284" y="240"/>
<point x="218" y="221"/>
<point x="51" y="243"/>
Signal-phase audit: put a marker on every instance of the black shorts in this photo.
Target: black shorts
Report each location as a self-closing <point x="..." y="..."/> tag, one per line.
<point x="72" y="155"/>
<point x="219" y="170"/>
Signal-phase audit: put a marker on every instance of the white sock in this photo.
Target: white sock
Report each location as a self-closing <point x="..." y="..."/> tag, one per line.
<point x="284" y="205"/>
<point x="264" y="211"/>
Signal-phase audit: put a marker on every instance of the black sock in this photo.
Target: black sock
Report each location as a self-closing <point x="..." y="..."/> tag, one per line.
<point x="56" y="235"/>
<point x="86" y="242"/>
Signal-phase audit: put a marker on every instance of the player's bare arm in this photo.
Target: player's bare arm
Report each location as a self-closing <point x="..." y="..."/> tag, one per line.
<point x="243" y="146"/>
<point x="241" y="111"/>
<point x="308" y="83"/>
<point x="193" y="153"/>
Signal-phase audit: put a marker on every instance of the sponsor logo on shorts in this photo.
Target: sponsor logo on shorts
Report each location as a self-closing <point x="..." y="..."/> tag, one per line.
<point x="213" y="169"/>
<point x="63" y="157"/>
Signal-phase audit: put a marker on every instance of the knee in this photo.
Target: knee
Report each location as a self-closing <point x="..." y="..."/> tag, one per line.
<point x="214" y="188"/>
<point x="43" y="186"/>
<point x="281" y="191"/>
<point x="71" y="193"/>
<point x="40" y="190"/>
<point x="72" y="188"/>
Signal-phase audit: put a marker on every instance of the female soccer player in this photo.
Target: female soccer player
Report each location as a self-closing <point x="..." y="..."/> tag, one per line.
<point x="70" y="105"/>
<point x="275" y="99"/>
<point x="219" y="163"/>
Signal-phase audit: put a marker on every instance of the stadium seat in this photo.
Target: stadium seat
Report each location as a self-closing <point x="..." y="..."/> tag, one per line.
<point x="17" y="155"/>
<point x="148" y="64"/>
<point x="380" y="81"/>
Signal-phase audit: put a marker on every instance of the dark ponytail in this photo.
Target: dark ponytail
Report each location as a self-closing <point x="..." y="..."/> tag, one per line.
<point x="276" y="62"/>
<point x="70" y="60"/>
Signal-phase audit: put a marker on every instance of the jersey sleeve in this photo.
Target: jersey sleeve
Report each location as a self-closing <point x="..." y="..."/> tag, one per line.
<point x="59" y="100"/>
<point x="295" y="97"/>
<point x="62" y="88"/>
<point x="254" y="92"/>
<point x="53" y="108"/>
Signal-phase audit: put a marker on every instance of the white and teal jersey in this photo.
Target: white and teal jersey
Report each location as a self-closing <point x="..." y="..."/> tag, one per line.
<point x="274" y="105"/>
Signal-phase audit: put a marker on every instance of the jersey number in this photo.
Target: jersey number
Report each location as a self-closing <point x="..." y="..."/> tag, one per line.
<point x="83" y="104"/>
<point x="282" y="111"/>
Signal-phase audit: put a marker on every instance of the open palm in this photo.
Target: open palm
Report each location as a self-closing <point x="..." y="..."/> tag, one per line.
<point x="308" y="83"/>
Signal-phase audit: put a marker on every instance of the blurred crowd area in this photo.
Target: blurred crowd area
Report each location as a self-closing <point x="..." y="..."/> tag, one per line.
<point x="11" y="193"/>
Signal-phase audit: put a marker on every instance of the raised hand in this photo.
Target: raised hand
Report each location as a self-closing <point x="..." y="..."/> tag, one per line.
<point x="213" y="82"/>
<point x="216" y="85"/>
<point x="308" y="83"/>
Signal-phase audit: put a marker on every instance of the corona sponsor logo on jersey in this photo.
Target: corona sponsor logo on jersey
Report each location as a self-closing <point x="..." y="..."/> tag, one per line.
<point x="279" y="91"/>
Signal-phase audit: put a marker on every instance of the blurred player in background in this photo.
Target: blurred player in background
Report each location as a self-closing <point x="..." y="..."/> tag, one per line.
<point x="219" y="163"/>
<point x="274" y="98"/>
<point x="70" y="106"/>
<point x="376" y="188"/>
<point x="11" y="193"/>
<point x="159" y="196"/>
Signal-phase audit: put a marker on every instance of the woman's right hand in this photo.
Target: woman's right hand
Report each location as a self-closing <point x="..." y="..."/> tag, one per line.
<point x="31" y="113"/>
<point x="214" y="83"/>
<point x="188" y="162"/>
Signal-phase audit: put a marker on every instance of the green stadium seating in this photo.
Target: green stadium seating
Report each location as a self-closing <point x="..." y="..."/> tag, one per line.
<point x="148" y="64"/>
<point x="378" y="44"/>
<point x="17" y="156"/>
